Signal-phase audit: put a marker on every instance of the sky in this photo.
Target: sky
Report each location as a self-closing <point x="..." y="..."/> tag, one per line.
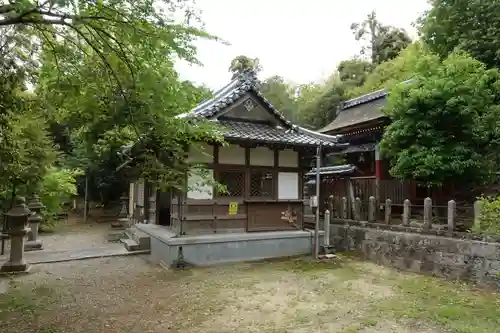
<point x="301" y="40"/>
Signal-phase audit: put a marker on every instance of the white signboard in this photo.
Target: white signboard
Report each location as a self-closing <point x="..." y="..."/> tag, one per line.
<point x="288" y="185"/>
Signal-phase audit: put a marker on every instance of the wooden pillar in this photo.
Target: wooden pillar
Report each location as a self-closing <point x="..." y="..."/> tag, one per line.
<point x="378" y="163"/>
<point x="378" y="173"/>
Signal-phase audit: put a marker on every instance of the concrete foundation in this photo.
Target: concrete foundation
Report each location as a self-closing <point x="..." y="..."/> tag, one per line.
<point x="206" y="250"/>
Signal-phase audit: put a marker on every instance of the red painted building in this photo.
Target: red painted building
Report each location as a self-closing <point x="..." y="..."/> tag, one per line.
<point x="361" y="122"/>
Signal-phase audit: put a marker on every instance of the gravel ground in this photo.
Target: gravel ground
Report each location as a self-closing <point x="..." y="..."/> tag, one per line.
<point x="127" y="294"/>
<point x="72" y="235"/>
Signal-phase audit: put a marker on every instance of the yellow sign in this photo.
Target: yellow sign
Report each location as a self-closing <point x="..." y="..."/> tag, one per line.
<point x="233" y="208"/>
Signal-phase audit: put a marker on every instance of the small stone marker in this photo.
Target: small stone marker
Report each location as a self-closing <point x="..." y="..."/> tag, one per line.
<point x="406" y="212"/>
<point x="388" y="211"/>
<point x="17" y="221"/>
<point x="326" y="221"/>
<point x="343" y="208"/>
<point x="34" y="221"/>
<point x="372" y="208"/>
<point x="357" y="209"/>
<point x="452" y="211"/>
<point x="427" y="213"/>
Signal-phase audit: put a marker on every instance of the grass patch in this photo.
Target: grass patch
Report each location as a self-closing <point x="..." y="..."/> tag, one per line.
<point x="455" y="306"/>
<point x="341" y="268"/>
<point x="24" y="301"/>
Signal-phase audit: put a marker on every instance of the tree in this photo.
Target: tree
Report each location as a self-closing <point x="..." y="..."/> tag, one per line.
<point x="26" y="151"/>
<point x="469" y="25"/>
<point x="101" y="118"/>
<point x="100" y="27"/>
<point x="446" y="123"/>
<point x="384" y="42"/>
<point x="323" y="110"/>
<point x="281" y="95"/>
<point x="354" y="72"/>
<point x="243" y="63"/>
<point x="391" y="72"/>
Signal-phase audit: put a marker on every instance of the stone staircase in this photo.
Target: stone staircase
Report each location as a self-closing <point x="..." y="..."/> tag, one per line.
<point x="136" y="240"/>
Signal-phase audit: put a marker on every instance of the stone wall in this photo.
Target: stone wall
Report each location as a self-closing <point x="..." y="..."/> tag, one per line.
<point x="448" y="255"/>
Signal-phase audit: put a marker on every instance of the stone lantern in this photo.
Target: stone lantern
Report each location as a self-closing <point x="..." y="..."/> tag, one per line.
<point x="123" y="220"/>
<point x="17" y="228"/>
<point x="34" y="221"/>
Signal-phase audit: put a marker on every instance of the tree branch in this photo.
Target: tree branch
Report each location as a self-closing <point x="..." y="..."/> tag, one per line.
<point x="99" y="53"/>
<point x="51" y="45"/>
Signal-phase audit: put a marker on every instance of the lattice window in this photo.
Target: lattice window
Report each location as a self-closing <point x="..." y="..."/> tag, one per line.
<point x="261" y="184"/>
<point x="234" y="181"/>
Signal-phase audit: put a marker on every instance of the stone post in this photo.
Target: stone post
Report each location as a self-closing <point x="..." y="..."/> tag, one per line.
<point x="388" y="211"/>
<point x="406" y="212"/>
<point x="34" y="221"/>
<point x="357" y="209"/>
<point x="123" y="220"/>
<point x="477" y="214"/>
<point x="17" y="221"/>
<point x="452" y="214"/>
<point x="372" y="208"/>
<point x="331" y="205"/>
<point x="326" y="239"/>
<point x="427" y="213"/>
<point x="152" y="205"/>
<point x="343" y="208"/>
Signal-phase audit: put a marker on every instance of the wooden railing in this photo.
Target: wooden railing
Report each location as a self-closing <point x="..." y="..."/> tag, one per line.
<point x="427" y="216"/>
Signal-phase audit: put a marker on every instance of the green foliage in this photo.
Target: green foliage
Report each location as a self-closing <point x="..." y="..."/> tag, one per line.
<point x="446" y="123"/>
<point x="392" y="72"/>
<point x="472" y="26"/>
<point x="100" y="28"/>
<point x="383" y="42"/>
<point x="353" y="73"/>
<point x="243" y="63"/>
<point x="282" y="95"/>
<point x="26" y="151"/>
<point x="97" y="117"/>
<point x="57" y="185"/>
<point x="324" y="109"/>
<point x="489" y="220"/>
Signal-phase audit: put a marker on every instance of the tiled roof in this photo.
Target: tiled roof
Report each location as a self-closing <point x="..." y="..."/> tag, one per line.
<point x="229" y="94"/>
<point x="359" y="110"/>
<point x="271" y="134"/>
<point x="357" y="114"/>
<point x="333" y="170"/>
<point x="237" y="88"/>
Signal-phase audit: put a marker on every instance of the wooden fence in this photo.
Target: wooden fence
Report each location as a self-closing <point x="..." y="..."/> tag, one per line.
<point x="425" y="216"/>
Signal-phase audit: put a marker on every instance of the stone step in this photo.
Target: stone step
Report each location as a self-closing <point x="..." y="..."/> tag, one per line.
<point x="139" y="237"/>
<point x="130" y="244"/>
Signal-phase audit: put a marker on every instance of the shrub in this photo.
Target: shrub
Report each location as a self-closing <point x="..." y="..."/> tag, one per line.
<point x="489" y="221"/>
<point x="57" y="186"/>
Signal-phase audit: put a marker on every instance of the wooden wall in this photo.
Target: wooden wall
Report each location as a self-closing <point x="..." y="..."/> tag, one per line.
<point x="256" y="192"/>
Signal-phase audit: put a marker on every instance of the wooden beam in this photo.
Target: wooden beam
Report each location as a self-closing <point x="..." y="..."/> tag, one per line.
<point x="216" y="154"/>
<point x="275" y="173"/>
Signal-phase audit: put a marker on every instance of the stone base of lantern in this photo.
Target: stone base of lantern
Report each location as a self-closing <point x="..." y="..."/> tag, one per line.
<point x="34" y="245"/>
<point x="121" y="223"/>
<point x="15" y="268"/>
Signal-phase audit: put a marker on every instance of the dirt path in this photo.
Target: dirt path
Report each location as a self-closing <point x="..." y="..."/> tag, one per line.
<point x="127" y="294"/>
<point x="73" y="239"/>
